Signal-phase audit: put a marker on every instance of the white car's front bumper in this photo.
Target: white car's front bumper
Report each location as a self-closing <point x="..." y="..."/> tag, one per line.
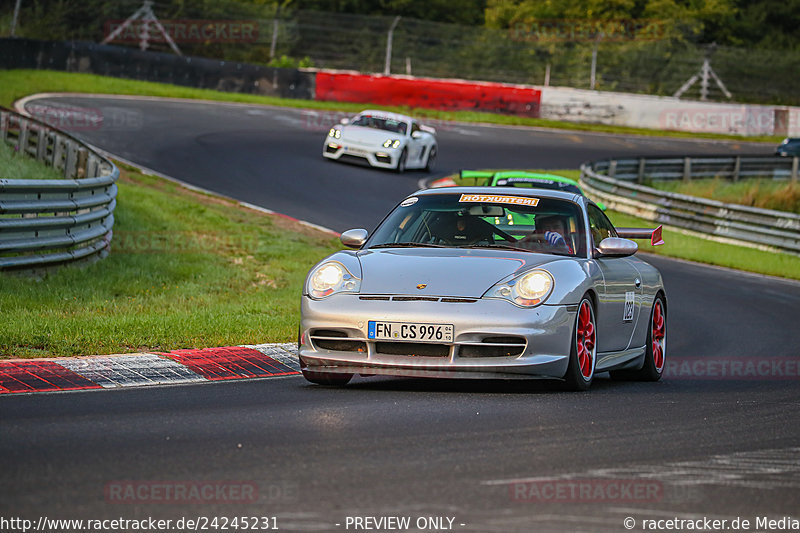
<point x="377" y="157"/>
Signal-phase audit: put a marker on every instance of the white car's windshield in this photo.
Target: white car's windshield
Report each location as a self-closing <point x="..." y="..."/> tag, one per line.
<point x="526" y="223"/>
<point x="380" y="123"/>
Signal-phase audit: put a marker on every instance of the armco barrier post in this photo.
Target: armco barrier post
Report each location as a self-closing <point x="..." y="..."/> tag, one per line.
<point x="22" y="140"/>
<point x="58" y="152"/>
<point x="83" y="157"/>
<point x="41" y="144"/>
<point x="794" y="168"/>
<point x="687" y="168"/>
<point x="71" y="164"/>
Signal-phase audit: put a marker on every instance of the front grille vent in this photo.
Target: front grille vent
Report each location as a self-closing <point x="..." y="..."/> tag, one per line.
<point x="413" y="349"/>
<point x="331" y="339"/>
<point x="493" y="347"/>
<point x="419" y="299"/>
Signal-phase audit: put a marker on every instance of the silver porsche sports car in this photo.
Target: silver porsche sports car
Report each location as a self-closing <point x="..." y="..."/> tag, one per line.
<point x="382" y="139"/>
<point x="486" y="282"/>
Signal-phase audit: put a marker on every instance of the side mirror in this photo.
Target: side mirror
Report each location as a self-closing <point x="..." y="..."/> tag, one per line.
<point x="617" y="247"/>
<point x="416" y="134"/>
<point x="354" y="238"/>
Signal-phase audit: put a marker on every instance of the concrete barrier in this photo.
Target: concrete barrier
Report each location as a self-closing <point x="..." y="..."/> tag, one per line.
<point x="667" y="113"/>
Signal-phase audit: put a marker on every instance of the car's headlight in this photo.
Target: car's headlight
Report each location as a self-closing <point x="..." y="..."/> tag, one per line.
<point x="391" y="143"/>
<point x="335" y="133"/>
<point x="330" y="278"/>
<point x="528" y="290"/>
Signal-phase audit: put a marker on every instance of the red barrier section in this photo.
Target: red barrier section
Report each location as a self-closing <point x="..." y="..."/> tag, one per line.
<point x="230" y="363"/>
<point x="429" y="92"/>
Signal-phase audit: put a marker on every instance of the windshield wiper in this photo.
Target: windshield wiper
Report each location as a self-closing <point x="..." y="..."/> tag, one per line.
<point x="517" y="248"/>
<point x="407" y="245"/>
<point x="500" y="246"/>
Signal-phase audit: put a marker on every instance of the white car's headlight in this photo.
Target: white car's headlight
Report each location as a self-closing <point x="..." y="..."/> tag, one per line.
<point x="330" y="278"/>
<point x="528" y="290"/>
<point x="391" y="143"/>
<point x="335" y="133"/>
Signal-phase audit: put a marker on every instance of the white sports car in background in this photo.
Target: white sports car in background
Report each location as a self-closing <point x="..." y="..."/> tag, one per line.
<point x="384" y="140"/>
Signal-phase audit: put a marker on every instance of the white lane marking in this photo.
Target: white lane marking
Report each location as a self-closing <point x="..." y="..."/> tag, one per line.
<point x="301" y="222"/>
<point x="761" y="469"/>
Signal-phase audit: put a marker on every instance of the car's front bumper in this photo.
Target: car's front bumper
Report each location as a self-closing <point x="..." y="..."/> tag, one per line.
<point x="377" y="157"/>
<point x="539" y="338"/>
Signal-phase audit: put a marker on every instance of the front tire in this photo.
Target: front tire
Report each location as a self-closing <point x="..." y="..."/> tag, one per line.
<point x="401" y="162"/>
<point x="655" y="350"/>
<point x="583" y="355"/>
<point x="431" y="161"/>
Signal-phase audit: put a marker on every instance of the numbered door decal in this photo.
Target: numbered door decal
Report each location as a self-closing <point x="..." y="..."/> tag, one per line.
<point x="627" y="314"/>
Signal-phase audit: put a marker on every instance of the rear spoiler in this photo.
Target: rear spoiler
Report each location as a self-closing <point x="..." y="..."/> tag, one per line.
<point x="428" y="129"/>
<point x="642" y="233"/>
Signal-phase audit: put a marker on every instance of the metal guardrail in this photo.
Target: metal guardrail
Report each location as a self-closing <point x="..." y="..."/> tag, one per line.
<point x="47" y="222"/>
<point x="618" y="184"/>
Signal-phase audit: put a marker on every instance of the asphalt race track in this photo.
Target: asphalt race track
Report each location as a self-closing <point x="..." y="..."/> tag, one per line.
<point x="491" y="456"/>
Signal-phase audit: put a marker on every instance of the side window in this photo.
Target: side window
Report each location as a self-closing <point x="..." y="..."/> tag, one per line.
<point x="600" y="226"/>
<point x="414" y="127"/>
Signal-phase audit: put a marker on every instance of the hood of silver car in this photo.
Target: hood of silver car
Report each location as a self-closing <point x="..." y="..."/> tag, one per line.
<point x="369" y="136"/>
<point x="454" y="272"/>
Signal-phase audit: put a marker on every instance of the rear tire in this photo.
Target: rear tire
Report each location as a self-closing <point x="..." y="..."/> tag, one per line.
<point x="583" y="355"/>
<point x="327" y="378"/>
<point x="655" y="351"/>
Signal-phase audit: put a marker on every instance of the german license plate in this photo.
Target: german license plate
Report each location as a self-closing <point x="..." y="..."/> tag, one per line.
<point x="354" y="151"/>
<point x="408" y="331"/>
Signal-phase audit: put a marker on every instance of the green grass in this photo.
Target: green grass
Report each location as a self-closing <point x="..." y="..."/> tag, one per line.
<point x="694" y="248"/>
<point x="15" y="84"/>
<point x="186" y="271"/>
<point x="14" y="165"/>
<point x="764" y="193"/>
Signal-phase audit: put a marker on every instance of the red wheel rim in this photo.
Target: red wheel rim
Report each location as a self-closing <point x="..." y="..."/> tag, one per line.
<point x="585" y="339"/>
<point x="658" y="335"/>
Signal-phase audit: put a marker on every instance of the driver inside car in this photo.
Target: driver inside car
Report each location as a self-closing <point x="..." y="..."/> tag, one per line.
<point x="550" y="234"/>
<point x="461" y="229"/>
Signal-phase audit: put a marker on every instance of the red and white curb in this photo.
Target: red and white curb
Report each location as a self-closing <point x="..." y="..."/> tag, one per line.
<point x="135" y="370"/>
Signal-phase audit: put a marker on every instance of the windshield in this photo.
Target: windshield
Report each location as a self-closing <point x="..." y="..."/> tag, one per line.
<point x="380" y="123"/>
<point x="521" y="222"/>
